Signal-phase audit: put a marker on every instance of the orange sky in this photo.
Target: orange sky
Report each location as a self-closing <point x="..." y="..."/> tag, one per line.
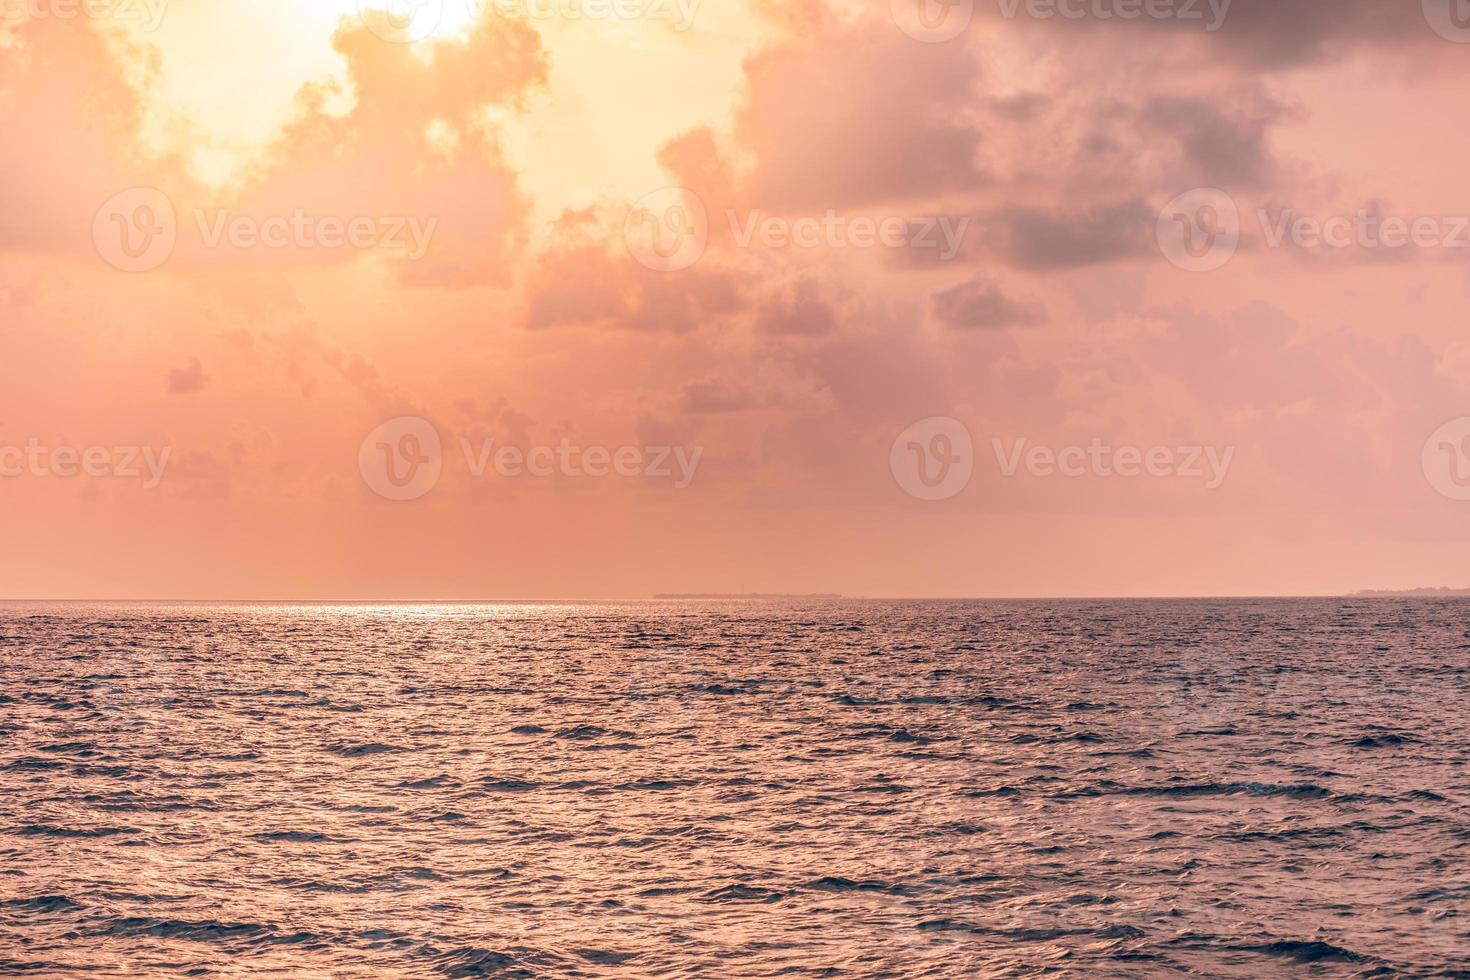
<point x="674" y="286"/>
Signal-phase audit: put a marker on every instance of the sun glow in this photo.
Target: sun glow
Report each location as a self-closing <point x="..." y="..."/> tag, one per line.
<point x="197" y="90"/>
<point x="412" y="21"/>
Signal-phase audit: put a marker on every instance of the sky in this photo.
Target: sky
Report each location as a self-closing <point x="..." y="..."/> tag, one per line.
<point x="458" y="299"/>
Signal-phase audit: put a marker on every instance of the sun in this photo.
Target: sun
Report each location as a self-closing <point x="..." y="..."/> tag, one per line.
<point x="412" y="21"/>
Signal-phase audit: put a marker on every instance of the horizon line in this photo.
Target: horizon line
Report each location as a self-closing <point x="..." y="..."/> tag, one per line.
<point x="717" y="597"/>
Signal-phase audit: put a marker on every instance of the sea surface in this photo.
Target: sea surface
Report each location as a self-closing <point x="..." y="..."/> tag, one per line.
<point x="733" y="789"/>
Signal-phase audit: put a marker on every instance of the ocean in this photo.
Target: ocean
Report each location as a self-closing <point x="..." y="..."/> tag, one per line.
<point x="737" y="789"/>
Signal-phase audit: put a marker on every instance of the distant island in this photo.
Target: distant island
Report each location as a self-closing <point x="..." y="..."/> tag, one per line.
<point x="747" y="595"/>
<point x="1442" y="591"/>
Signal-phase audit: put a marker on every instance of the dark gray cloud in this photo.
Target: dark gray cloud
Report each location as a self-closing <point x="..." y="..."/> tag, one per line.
<point x="1263" y="34"/>
<point x="715" y="397"/>
<point x="979" y="304"/>
<point x="1225" y="146"/>
<point x="187" y="380"/>
<point x="800" y="309"/>
<point x="1033" y="238"/>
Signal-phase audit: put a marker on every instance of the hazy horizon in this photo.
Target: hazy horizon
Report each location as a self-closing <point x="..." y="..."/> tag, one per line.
<point x="1451" y="592"/>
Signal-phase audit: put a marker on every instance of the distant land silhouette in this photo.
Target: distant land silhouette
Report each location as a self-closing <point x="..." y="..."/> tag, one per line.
<point x="1440" y="591"/>
<point x="747" y="595"/>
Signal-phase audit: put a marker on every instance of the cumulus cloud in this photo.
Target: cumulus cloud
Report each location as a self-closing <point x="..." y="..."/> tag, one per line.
<point x="844" y="116"/>
<point x="1222" y="147"/>
<point x="415" y="155"/>
<point x="980" y="304"/>
<point x="187" y="380"/>
<point x="798" y="308"/>
<point x="586" y="277"/>
<point x="1064" y="238"/>
<point x="1256" y="34"/>
<point x="78" y="100"/>
<point x="716" y="396"/>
